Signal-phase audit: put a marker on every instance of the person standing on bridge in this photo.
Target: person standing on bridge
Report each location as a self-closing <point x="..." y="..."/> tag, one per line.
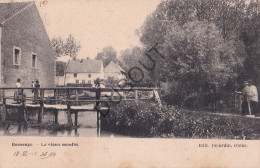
<point x="98" y="87"/>
<point x="33" y="86"/>
<point x="18" y="93"/>
<point x="36" y="91"/>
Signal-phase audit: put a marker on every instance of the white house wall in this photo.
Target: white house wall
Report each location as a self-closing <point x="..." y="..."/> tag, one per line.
<point x="83" y="76"/>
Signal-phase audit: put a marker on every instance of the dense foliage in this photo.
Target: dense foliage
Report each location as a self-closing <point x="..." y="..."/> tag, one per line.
<point x="140" y="120"/>
<point x="68" y="47"/>
<point x="106" y="55"/>
<point x="210" y="47"/>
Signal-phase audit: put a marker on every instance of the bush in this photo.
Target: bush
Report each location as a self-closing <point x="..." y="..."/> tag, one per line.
<point x="79" y="85"/>
<point x="173" y="99"/>
<point x="146" y="119"/>
<point x="128" y="117"/>
<point x="111" y="82"/>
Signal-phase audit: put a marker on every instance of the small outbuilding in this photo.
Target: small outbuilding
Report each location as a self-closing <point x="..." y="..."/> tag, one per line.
<point x="115" y="71"/>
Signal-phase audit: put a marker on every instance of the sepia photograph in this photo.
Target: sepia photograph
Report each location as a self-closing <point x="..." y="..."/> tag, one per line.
<point x="141" y="69"/>
<point x="140" y="83"/>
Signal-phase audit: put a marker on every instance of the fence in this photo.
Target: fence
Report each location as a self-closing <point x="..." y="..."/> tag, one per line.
<point x="70" y="99"/>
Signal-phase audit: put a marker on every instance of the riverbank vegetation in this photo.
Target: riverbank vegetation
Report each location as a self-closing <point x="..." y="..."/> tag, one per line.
<point x="146" y="119"/>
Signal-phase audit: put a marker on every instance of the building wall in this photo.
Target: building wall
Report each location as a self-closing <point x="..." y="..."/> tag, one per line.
<point x="82" y="76"/>
<point x="102" y="74"/>
<point x="257" y="65"/>
<point x="59" y="80"/>
<point x="1" y="71"/>
<point x="26" y="31"/>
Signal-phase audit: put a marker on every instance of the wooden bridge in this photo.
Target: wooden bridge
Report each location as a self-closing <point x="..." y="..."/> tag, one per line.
<point x="70" y="99"/>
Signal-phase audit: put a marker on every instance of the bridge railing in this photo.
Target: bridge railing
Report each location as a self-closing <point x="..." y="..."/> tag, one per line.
<point x="69" y="97"/>
<point x="71" y="93"/>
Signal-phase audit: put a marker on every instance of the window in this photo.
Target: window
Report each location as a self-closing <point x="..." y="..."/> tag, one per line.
<point x="77" y="81"/>
<point x="4" y="79"/>
<point x="16" y="56"/>
<point x="89" y="75"/>
<point x="89" y="81"/>
<point x="75" y="75"/>
<point x="83" y="81"/>
<point x="33" y="60"/>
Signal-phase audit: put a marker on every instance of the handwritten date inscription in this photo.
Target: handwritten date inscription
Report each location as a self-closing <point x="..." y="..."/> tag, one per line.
<point x="43" y="3"/>
<point x="42" y="155"/>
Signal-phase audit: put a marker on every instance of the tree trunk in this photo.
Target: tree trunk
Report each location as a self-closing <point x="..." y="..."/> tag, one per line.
<point x="69" y="118"/>
<point x="65" y="72"/>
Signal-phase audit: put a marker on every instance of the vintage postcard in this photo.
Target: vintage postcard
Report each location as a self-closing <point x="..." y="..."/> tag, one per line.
<point x="140" y="83"/>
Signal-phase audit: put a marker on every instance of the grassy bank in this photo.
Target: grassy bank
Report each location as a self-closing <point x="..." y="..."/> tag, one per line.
<point x="147" y="120"/>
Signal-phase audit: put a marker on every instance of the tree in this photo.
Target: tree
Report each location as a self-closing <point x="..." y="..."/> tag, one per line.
<point x="130" y="57"/>
<point x="71" y="47"/>
<point x="200" y="54"/>
<point x="108" y="54"/>
<point x="58" y="46"/>
<point x="201" y="43"/>
<point x="228" y="15"/>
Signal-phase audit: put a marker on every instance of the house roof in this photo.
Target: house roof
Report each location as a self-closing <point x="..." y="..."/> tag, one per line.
<point x="113" y="68"/>
<point x="8" y="10"/>
<point x="84" y="66"/>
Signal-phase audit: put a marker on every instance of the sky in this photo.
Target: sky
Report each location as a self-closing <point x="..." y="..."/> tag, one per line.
<point x="96" y="23"/>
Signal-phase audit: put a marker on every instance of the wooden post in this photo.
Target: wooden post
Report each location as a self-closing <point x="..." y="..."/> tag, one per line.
<point x="25" y="128"/>
<point x="112" y="94"/>
<point x="76" y="118"/>
<point x="235" y="99"/>
<point x="5" y="110"/>
<point x="19" y="129"/>
<point x="240" y="103"/>
<point x="157" y="98"/>
<point x="69" y="109"/>
<point x="77" y="96"/>
<point x="98" y="123"/>
<point x="56" y="116"/>
<point x="3" y="101"/>
<point x="56" y="112"/>
<point x="124" y="95"/>
<point x="40" y="113"/>
<point x="24" y="112"/>
<point x="55" y="95"/>
<point x="136" y="96"/>
<point x="76" y="132"/>
<point x="76" y="113"/>
<point x="98" y="108"/>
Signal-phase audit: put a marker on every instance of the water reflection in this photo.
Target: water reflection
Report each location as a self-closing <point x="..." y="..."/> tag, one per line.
<point x="86" y="121"/>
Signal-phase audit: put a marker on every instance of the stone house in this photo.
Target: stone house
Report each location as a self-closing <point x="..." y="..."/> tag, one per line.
<point x="25" y="48"/>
